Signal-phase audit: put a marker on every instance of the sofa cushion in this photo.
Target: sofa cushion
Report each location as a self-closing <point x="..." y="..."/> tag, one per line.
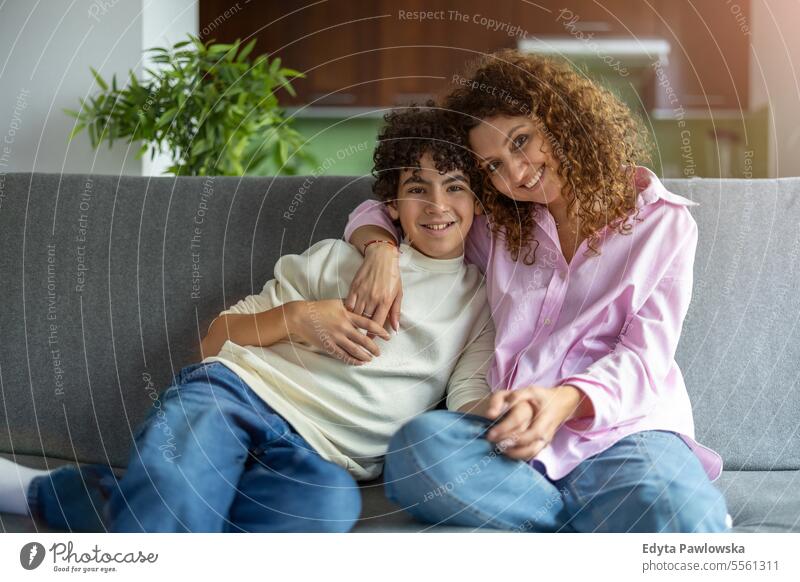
<point x="762" y="501"/>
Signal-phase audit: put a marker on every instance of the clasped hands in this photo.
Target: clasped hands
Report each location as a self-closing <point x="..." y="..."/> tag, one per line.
<point x="527" y="419"/>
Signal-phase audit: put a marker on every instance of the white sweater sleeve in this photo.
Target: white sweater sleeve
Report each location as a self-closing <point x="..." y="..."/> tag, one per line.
<point x="297" y="278"/>
<point x="468" y="381"/>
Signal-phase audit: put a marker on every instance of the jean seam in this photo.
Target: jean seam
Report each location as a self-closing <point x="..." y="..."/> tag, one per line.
<point x="181" y="375"/>
<point x="200" y="367"/>
<point x="653" y="467"/>
<point x="571" y="490"/>
<point x="582" y="502"/>
<point x="477" y="513"/>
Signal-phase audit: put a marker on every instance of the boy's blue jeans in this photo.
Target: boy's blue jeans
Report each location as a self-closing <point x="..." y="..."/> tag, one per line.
<point x="442" y="469"/>
<point x="211" y="456"/>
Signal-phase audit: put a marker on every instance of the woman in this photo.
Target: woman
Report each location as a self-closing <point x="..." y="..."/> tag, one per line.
<point x="589" y="261"/>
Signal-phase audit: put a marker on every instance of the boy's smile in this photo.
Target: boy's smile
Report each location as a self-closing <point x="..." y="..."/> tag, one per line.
<point x="435" y="209"/>
<point x="438" y="228"/>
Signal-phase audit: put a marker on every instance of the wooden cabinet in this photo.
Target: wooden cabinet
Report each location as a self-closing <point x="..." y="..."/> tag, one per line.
<point x="333" y="43"/>
<point x="423" y="44"/>
<point x="385" y="53"/>
<point x="709" y="65"/>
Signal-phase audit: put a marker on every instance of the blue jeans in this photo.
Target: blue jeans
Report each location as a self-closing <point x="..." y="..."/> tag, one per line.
<point x="211" y="456"/>
<point x="442" y="469"/>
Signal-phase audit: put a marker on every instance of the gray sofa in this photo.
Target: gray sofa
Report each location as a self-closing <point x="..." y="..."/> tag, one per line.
<point x="108" y="284"/>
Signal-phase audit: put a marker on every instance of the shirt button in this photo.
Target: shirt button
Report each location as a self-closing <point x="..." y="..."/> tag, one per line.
<point x="547" y="321"/>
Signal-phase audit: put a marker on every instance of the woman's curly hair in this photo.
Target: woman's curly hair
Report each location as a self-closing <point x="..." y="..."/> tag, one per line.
<point x="412" y="132"/>
<point x="595" y="137"/>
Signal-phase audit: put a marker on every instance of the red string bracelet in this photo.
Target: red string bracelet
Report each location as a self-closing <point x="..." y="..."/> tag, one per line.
<point x="389" y="242"/>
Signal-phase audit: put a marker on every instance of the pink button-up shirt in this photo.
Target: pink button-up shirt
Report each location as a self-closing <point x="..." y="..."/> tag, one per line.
<point x="608" y="324"/>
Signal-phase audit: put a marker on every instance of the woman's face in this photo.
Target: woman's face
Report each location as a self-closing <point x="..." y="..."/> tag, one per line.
<point x="518" y="158"/>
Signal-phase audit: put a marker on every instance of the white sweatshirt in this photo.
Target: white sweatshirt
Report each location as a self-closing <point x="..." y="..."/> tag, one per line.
<point x="348" y="413"/>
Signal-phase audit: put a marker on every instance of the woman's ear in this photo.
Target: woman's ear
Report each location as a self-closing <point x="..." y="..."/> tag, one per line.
<point x="392" y="208"/>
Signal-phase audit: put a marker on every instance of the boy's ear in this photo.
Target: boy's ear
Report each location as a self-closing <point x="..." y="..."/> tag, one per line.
<point x="478" y="207"/>
<point x="392" y="208"/>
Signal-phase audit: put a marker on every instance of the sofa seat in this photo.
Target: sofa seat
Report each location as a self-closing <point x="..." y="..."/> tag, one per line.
<point x="762" y="501"/>
<point x="759" y="501"/>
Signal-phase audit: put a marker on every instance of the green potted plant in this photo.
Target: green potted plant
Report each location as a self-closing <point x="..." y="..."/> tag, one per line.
<point x="210" y="108"/>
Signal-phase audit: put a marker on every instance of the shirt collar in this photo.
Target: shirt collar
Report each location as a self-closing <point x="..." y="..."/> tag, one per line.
<point x="411" y="256"/>
<point x="652" y="190"/>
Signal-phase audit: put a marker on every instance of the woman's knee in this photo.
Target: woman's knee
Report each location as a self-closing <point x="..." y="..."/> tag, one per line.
<point x="441" y="469"/>
<point x="434" y="441"/>
<point x="433" y="455"/>
<point x="436" y="435"/>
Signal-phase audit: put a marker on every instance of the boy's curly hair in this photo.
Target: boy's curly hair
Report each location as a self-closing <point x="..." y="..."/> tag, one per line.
<point x="410" y="133"/>
<point x="595" y="137"/>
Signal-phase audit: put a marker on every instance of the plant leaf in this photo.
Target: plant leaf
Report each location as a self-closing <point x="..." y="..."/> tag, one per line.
<point x="75" y="131"/>
<point x="167" y="117"/>
<point x="248" y="48"/>
<point x="99" y="79"/>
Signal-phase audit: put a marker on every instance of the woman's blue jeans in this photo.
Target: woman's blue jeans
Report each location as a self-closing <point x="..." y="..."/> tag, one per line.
<point x="211" y="456"/>
<point x="442" y="469"/>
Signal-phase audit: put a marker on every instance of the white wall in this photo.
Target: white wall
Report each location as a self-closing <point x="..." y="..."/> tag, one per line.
<point x="46" y="49"/>
<point x="775" y="79"/>
<point x="163" y="24"/>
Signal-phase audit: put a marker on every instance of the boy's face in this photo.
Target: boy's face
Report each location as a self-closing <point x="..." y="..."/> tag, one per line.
<point x="435" y="210"/>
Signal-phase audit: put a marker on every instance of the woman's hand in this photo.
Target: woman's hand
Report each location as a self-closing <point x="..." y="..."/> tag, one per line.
<point x="478" y="407"/>
<point x="328" y="326"/>
<point x="377" y="290"/>
<point x="532" y="417"/>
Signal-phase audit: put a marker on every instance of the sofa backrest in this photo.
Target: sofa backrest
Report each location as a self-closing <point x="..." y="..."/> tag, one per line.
<point x="109" y="283"/>
<point x="740" y="346"/>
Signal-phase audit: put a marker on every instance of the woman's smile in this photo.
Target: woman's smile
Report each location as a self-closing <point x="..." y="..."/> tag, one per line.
<point x="537" y="176"/>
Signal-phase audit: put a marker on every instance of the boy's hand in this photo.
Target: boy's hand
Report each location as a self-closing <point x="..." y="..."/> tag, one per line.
<point x="328" y="326"/>
<point x="377" y="290"/>
<point x="532" y="417"/>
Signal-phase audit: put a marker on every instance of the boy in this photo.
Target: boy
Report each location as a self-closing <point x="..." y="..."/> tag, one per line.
<point x="270" y="430"/>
